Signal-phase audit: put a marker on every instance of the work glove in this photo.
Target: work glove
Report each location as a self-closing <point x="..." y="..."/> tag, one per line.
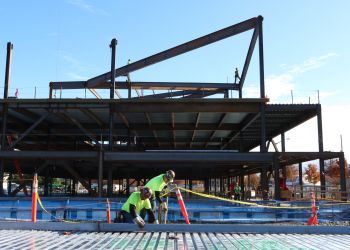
<point x="139" y="221"/>
<point x="163" y="206"/>
<point x="171" y="186"/>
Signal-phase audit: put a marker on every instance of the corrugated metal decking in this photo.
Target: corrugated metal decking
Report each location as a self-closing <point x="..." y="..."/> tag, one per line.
<point x="20" y="239"/>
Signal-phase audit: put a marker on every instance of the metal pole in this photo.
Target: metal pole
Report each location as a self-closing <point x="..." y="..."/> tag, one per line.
<point x="100" y="173"/>
<point x="320" y="147"/>
<point x="8" y="69"/>
<point x="111" y="108"/>
<point x="110" y="182"/>
<point x="4" y="109"/>
<point x="263" y="147"/>
<point x="341" y="143"/>
<point x="277" y="178"/>
<point x="113" y="47"/>
<point x="301" y="179"/>
<point x="342" y="177"/>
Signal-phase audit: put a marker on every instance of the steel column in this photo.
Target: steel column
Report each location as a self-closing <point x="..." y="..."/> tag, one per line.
<point x="320" y="147"/>
<point x="110" y="182"/>
<point x="8" y="69"/>
<point x="263" y="183"/>
<point x="100" y="173"/>
<point x="241" y="183"/>
<point x="5" y="110"/>
<point x="276" y="165"/>
<point x="262" y="87"/>
<point x="112" y="88"/>
<point x="344" y="194"/>
<point x="301" y="180"/>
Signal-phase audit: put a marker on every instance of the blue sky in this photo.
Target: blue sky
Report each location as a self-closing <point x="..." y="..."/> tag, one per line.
<point x="306" y="46"/>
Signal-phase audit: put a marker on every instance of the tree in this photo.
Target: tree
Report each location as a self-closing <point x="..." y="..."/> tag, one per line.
<point x="312" y="174"/>
<point x="254" y="181"/>
<point x="332" y="169"/>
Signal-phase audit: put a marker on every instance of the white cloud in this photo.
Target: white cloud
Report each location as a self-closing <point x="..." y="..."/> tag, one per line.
<point x="83" y="5"/>
<point x="279" y="88"/>
<point x="305" y="136"/>
<point x="75" y="76"/>
<point x="311" y="64"/>
<point x="73" y="62"/>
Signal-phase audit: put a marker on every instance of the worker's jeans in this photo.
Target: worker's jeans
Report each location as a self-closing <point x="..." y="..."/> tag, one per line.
<point x="152" y="200"/>
<point x="127" y="218"/>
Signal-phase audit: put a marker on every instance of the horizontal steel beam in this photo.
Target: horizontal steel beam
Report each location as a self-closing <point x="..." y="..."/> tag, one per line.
<point x="174" y="157"/>
<point x="148" y="85"/>
<point x="140" y="105"/>
<point x="178" y="50"/>
<point x="48" y="155"/>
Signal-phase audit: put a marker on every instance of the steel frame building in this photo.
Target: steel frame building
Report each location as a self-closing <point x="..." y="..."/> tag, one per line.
<point x="138" y="137"/>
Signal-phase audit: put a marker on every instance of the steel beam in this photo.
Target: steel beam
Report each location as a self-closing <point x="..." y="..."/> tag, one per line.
<point x="81" y="127"/>
<point x="78" y="177"/>
<point x="202" y="94"/>
<point x="73" y="155"/>
<point x="92" y="116"/>
<point x="178" y="50"/>
<point x="248" y="58"/>
<point x="177" y="157"/>
<point x="22" y="185"/>
<point x="30" y="129"/>
<point x="148" y="85"/>
<point x="245" y="124"/>
<point x="195" y="127"/>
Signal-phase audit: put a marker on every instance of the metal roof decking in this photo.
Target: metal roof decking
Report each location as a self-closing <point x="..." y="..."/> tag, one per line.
<point x="19" y="239"/>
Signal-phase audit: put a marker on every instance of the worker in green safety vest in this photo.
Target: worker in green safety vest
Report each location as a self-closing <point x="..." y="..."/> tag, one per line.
<point x="156" y="184"/>
<point x="136" y="202"/>
<point x="237" y="75"/>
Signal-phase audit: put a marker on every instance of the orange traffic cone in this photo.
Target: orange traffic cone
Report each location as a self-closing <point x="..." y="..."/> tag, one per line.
<point x="108" y="212"/>
<point x="34" y="197"/>
<point x="182" y="205"/>
<point x="313" y="218"/>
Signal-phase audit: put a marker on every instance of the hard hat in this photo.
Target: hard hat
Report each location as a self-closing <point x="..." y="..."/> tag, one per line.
<point x="170" y="175"/>
<point x="147" y="192"/>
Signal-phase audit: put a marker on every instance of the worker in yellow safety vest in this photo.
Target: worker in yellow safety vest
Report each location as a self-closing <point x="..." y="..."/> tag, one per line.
<point x="137" y="202"/>
<point x="156" y="184"/>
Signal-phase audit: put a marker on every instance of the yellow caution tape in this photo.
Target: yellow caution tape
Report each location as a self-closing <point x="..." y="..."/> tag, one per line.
<point x="41" y="205"/>
<point x="242" y="202"/>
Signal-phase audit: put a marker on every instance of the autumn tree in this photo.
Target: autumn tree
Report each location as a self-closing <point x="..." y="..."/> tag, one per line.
<point x="332" y="170"/>
<point x="254" y="180"/>
<point x="312" y="174"/>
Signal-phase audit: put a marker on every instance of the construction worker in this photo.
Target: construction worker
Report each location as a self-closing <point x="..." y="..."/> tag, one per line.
<point x="136" y="202"/>
<point x="156" y="184"/>
<point x="237" y="75"/>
